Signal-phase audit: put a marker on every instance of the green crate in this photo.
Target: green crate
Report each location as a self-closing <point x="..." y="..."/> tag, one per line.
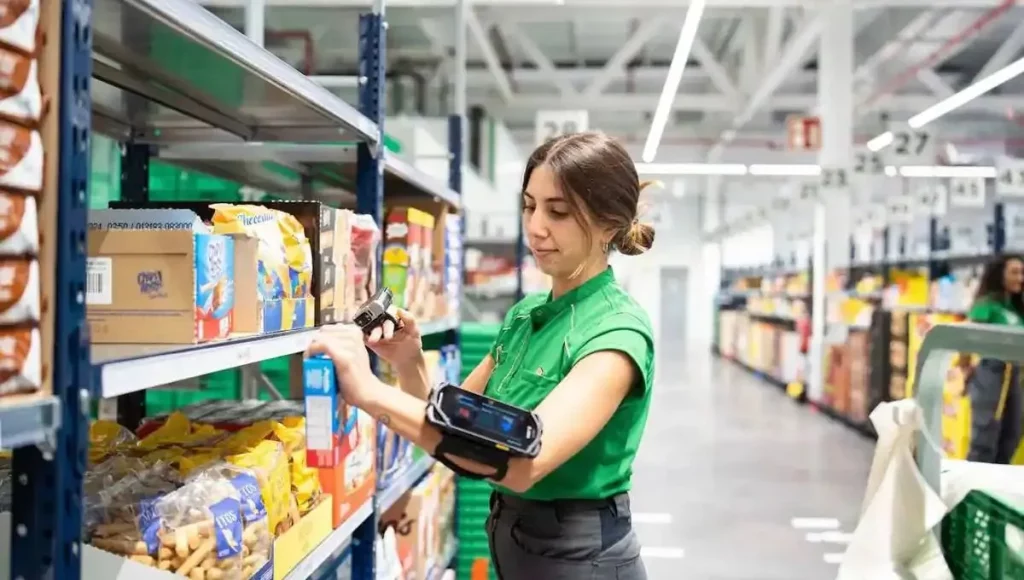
<point x="983" y="539"/>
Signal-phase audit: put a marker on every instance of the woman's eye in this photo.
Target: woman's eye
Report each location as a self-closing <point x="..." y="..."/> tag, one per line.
<point x="559" y="215"/>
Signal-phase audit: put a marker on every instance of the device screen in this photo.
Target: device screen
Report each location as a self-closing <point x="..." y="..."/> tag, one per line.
<point x="494" y="420"/>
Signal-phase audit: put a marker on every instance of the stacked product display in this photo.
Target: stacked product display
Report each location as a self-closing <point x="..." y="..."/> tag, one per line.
<point x="762" y="323"/>
<point x="145" y="294"/>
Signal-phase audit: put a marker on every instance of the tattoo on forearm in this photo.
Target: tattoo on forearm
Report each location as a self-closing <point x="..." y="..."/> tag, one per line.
<point x="384" y="419"/>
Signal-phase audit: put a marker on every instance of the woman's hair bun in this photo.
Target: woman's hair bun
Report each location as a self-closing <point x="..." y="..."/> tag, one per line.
<point x="637" y="240"/>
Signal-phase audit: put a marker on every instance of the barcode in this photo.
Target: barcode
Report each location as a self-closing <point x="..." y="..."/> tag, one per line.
<point x="94" y="283"/>
<point x="99" y="274"/>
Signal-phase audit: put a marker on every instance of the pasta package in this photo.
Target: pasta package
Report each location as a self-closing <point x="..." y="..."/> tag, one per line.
<point x="284" y="255"/>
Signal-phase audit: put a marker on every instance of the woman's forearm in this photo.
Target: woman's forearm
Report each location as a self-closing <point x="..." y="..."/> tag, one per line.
<point x="404" y="413"/>
<point x="414" y="378"/>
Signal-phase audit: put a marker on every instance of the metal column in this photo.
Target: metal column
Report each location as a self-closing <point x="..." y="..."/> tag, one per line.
<point x="46" y="521"/>
<point x="370" y="201"/>
<point x="831" y="209"/>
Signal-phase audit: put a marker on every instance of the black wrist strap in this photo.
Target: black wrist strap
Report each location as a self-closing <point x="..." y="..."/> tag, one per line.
<point x="489" y="456"/>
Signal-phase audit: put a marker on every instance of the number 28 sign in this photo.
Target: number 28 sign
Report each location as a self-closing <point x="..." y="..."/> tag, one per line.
<point x="551" y="124"/>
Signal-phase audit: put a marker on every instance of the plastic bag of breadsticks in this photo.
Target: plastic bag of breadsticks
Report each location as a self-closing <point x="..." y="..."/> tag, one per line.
<point x="250" y="449"/>
<point x="291" y="432"/>
<point x="256" y="537"/>
<point x="195" y="531"/>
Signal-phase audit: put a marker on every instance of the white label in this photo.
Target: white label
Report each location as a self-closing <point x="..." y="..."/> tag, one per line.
<point x="99" y="279"/>
<point x="910" y="146"/>
<point x="551" y="124"/>
<point x="930" y="200"/>
<point x="967" y="192"/>
<point x="834" y="178"/>
<point x="868" y="163"/>
<point x="1010" y="177"/>
<point x="900" y="209"/>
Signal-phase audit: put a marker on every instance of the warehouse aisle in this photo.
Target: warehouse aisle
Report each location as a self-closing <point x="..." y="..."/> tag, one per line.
<point x="731" y="473"/>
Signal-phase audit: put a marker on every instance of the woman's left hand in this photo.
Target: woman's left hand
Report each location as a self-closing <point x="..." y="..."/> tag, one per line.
<point x="343" y="343"/>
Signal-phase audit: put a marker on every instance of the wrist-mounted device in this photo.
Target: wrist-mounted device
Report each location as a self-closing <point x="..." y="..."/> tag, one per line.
<point x="376" y="311"/>
<point x="481" y="429"/>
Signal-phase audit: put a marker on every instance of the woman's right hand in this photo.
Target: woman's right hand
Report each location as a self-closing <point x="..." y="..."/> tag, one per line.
<point x="400" y="346"/>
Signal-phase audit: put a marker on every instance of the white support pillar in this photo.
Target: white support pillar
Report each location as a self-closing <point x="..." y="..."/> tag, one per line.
<point x="255" y="20"/>
<point x="831" y="210"/>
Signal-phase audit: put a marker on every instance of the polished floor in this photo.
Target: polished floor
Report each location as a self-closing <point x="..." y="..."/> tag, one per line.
<point x="734" y="481"/>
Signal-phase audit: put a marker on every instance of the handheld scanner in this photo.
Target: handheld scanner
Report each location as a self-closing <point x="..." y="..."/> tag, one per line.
<point x="376" y="311"/>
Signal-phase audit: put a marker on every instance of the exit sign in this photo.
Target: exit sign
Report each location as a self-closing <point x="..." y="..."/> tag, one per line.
<point x="803" y="133"/>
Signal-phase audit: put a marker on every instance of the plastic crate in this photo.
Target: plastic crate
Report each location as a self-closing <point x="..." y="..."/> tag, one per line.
<point x="983" y="539"/>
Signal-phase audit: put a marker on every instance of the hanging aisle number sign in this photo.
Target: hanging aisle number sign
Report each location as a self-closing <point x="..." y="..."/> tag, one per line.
<point x="900" y="209"/>
<point x="866" y="162"/>
<point x="910" y="146"/>
<point x="930" y="200"/>
<point x="1010" y="177"/>
<point x="834" y="178"/>
<point x="551" y="124"/>
<point x="967" y="192"/>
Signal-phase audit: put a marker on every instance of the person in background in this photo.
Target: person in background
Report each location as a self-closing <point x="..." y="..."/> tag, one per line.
<point x="997" y="403"/>
<point x="581" y="356"/>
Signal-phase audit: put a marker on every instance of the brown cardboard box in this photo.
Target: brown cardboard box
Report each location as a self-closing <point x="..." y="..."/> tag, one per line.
<point x="159" y="286"/>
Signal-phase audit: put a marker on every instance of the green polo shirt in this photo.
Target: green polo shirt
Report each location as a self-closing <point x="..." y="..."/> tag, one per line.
<point x="990" y="310"/>
<point x="540" y="341"/>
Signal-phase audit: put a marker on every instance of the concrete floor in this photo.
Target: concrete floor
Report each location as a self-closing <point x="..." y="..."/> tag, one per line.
<point x="727" y="463"/>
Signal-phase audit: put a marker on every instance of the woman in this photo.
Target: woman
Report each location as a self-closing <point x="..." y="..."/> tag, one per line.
<point x="994" y="386"/>
<point x="581" y="357"/>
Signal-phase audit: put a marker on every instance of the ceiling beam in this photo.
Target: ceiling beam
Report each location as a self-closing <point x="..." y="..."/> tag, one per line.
<point x="716" y="72"/>
<point x="544" y="65"/>
<point x="794" y="55"/>
<point x="550" y="8"/>
<point x="617" y="63"/>
<point x="1007" y="51"/>
<point x="773" y="35"/>
<point x="501" y="79"/>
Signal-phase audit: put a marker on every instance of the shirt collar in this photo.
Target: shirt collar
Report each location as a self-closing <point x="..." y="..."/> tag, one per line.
<point x="545" y="312"/>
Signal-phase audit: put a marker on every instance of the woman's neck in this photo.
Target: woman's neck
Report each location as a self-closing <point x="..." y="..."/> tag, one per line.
<point x="559" y="286"/>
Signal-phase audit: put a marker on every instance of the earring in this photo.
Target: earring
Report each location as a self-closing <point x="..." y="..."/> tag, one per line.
<point x="605" y="247"/>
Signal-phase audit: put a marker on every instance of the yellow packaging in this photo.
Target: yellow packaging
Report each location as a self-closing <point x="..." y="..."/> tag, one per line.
<point x="305" y="480"/>
<point x="284" y="255"/>
<point x="268" y="461"/>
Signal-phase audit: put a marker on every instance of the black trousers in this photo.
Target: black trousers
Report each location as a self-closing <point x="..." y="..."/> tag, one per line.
<point x="563" y="540"/>
<point x="997" y="412"/>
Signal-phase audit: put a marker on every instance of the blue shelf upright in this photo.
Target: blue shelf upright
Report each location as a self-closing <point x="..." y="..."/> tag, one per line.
<point x="46" y="518"/>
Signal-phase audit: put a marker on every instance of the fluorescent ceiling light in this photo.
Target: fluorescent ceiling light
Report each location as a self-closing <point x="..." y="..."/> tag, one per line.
<point x="947" y="171"/>
<point x="967" y="95"/>
<point x="881" y="142"/>
<point x="784" y="170"/>
<point x="691" y="168"/>
<point x="804" y="170"/>
<point x="955" y="101"/>
<point x="674" y="77"/>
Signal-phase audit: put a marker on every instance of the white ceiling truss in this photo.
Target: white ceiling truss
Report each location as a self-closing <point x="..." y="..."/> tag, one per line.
<point x="752" y="64"/>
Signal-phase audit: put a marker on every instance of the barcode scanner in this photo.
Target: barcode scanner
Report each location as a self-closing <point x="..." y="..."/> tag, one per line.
<point x="376" y="311"/>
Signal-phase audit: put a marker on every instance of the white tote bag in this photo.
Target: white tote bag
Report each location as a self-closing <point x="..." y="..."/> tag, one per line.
<point x="892" y="539"/>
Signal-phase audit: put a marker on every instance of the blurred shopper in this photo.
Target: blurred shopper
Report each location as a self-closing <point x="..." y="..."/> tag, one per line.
<point x="997" y="412"/>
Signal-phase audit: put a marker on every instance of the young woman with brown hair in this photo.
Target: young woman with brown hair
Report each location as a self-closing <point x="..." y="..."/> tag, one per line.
<point x="581" y="357"/>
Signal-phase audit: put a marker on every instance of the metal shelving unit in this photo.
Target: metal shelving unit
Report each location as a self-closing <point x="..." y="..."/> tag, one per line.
<point x="114" y="81"/>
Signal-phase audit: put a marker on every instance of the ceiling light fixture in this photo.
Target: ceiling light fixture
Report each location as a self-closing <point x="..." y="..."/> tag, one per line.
<point x="687" y="35"/>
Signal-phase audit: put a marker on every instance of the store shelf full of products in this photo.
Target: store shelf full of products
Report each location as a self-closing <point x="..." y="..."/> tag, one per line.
<point x="173" y="82"/>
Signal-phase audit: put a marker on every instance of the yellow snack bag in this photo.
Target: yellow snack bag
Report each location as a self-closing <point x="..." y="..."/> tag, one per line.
<point x="284" y="255"/>
<point x="305" y="480"/>
<point x="269" y="463"/>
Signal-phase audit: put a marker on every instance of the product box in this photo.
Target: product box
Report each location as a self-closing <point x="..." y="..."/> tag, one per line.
<point x="155" y="276"/>
<point x="408" y="238"/>
<point x="254" y="314"/>
<point x="331" y="432"/>
<point x="415" y="519"/>
<point x="353" y="481"/>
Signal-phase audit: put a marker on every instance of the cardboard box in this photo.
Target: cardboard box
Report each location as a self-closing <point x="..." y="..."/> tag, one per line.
<point x="154" y="279"/>
<point x="254" y="314"/>
<point x="353" y="481"/>
<point x="331" y="423"/>
<point x="308" y="213"/>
